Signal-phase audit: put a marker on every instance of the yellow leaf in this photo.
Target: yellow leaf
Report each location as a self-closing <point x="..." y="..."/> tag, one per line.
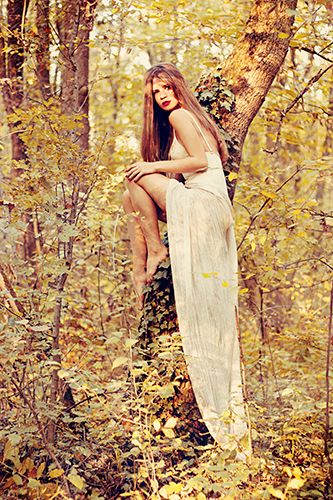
<point x="231" y="177"/>
<point x="63" y="373"/>
<point x="176" y="487"/>
<point x="7" y="450"/>
<point x="163" y="492"/>
<point x="168" y="433"/>
<point x="157" y="425"/>
<point x="201" y="496"/>
<point x="288" y="469"/>
<point x="137" y="443"/>
<point x="262" y="238"/>
<point x="283" y="35"/>
<point x="297" y="472"/>
<point x="76" y="481"/>
<point x="171" y="423"/>
<point x="225" y="283"/>
<point x="276" y="493"/>
<point x="119" y="362"/>
<point x="210" y="275"/>
<point x="56" y="473"/>
<point x="268" y="194"/>
<point x="40" y="470"/>
<point x="295" y="483"/>
<point x="28" y="464"/>
<point x="170" y="490"/>
<point x="17" y="480"/>
<point x="130" y="343"/>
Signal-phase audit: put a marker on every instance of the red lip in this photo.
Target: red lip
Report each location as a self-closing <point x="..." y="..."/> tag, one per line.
<point x="166" y="103"/>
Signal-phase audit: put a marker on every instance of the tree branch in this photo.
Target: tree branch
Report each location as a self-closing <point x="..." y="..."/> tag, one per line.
<point x="284" y="113"/>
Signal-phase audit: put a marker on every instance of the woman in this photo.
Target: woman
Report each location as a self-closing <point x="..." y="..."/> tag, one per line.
<point x="179" y="138"/>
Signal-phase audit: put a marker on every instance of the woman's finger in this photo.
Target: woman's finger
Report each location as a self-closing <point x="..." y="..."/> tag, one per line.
<point x="130" y="167"/>
<point x="131" y="171"/>
<point x="134" y="174"/>
<point x="138" y="176"/>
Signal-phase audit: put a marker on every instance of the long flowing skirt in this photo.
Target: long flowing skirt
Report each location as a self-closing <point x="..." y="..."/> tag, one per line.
<point x="204" y="269"/>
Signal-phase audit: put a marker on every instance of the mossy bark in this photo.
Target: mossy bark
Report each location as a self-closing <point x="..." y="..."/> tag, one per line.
<point x="160" y="345"/>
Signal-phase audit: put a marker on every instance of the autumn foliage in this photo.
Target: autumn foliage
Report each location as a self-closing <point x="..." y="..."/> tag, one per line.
<point x="96" y="402"/>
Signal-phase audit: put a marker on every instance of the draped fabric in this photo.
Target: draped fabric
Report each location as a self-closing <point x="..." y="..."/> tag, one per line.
<point x="203" y="258"/>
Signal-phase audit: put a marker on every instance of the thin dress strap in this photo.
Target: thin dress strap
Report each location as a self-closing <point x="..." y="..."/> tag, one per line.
<point x="200" y="130"/>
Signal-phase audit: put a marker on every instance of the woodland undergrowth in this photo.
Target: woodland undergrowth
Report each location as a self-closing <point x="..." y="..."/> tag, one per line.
<point x="101" y="407"/>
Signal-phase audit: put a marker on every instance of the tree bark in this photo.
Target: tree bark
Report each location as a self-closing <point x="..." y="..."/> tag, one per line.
<point x="12" y="71"/>
<point x="249" y="72"/>
<point x="12" y="63"/>
<point x="43" y="47"/>
<point x="76" y="21"/>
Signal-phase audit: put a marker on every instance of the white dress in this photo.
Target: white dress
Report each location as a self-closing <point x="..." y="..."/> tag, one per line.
<point x="203" y="258"/>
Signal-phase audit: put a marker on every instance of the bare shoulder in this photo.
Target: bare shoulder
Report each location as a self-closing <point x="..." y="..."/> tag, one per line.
<point x="179" y="117"/>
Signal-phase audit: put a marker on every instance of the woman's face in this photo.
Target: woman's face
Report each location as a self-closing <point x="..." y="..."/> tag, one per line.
<point x="164" y="95"/>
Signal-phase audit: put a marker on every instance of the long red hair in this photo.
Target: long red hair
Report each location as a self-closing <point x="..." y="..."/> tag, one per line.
<point x="157" y="133"/>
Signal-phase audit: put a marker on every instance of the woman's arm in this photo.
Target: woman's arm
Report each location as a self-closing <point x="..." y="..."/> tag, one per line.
<point x="188" y="135"/>
<point x="190" y="138"/>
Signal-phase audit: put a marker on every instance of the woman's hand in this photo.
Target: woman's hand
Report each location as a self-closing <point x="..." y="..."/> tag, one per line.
<point x="138" y="169"/>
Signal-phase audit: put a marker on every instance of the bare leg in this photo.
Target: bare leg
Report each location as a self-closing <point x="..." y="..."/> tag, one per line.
<point x="139" y="247"/>
<point x="148" y="218"/>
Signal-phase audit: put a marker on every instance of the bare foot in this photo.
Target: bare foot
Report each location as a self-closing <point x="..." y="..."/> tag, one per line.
<point x="139" y="281"/>
<point x="154" y="259"/>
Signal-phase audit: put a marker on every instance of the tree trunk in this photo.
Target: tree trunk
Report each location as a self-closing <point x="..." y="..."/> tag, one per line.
<point x="12" y="71"/>
<point x="43" y="48"/>
<point x="249" y="72"/>
<point x="12" y="63"/>
<point x="76" y="21"/>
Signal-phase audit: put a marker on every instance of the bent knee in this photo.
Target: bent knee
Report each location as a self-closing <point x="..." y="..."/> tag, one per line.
<point x="127" y="202"/>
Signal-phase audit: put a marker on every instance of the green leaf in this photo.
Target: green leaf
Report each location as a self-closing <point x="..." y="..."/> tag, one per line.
<point x="33" y="483"/>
